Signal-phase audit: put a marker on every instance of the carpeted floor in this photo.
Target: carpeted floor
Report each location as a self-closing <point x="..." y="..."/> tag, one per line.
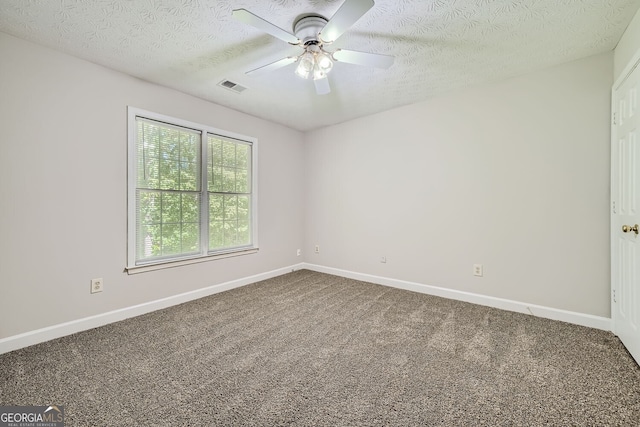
<point x="311" y="349"/>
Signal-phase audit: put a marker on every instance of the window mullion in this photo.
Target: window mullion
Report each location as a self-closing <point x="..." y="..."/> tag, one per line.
<point x="204" y="193"/>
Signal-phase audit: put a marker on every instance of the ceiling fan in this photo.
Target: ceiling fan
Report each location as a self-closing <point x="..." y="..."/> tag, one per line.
<point x="313" y="33"/>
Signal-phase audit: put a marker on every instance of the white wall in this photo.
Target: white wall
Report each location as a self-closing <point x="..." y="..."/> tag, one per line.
<point x="627" y="46"/>
<point x="513" y="175"/>
<point x="63" y="124"/>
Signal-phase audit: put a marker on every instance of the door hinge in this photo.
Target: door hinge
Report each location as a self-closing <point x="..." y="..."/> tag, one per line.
<point x="614" y="119"/>
<point x="614" y="296"/>
<point x="613" y="206"/>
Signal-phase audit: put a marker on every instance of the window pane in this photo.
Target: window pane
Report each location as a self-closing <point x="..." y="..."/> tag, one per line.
<point x="244" y="233"/>
<point x="148" y="141"/>
<point x="190" y="160"/>
<point x="230" y="233"/>
<point x="229" y="172"/>
<point x="229" y="224"/>
<point x="229" y="180"/>
<point x="149" y="207"/>
<point x="150" y="175"/>
<point x="229" y="166"/>
<point x="243" y="156"/>
<point x="189" y="147"/>
<point x="216" y="210"/>
<point x="242" y="181"/>
<point x="170" y="143"/>
<point x="188" y="176"/>
<point x="169" y="174"/>
<point x="215" y="151"/>
<point x="171" y="208"/>
<point x="191" y="237"/>
<point x="148" y="239"/>
<point x="229" y="154"/>
<point x="215" y="179"/>
<point x="168" y="224"/>
<point x="171" y="241"/>
<point x="190" y="208"/>
<point x="230" y="208"/>
<point x="243" y="208"/>
<point x="216" y="235"/>
<point x="168" y="157"/>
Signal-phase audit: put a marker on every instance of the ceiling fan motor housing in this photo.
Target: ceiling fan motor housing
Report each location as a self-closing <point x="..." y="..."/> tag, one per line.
<point x="307" y="29"/>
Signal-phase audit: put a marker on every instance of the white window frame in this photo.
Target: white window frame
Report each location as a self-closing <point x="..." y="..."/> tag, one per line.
<point x="204" y="255"/>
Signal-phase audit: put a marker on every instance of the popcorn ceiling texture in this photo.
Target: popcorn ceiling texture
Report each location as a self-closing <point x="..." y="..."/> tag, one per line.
<point x="439" y="45"/>
<point x="311" y="349"/>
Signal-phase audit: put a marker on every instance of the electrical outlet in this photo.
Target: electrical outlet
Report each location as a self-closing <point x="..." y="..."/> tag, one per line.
<point x="96" y="285"/>
<point x="317" y="249"/>
<point x="478" y="270"/>
<point x="383" y="259"/>
<point x="298" y="252"/>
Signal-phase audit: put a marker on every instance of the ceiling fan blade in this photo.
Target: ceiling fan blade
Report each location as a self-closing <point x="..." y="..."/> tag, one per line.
<point x="273" y="66"/>
<point x="247" y="17"/>
<point x="344" y="18"/>
<point x="363" y="58"/>
<point x="322" y="86"/>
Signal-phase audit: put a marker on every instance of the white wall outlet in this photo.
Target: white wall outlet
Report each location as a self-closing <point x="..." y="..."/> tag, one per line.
<point x="383" y="259"/>
<point x="317" y="249"/>
<point x="478" y="270"/>
<point x="298" y="252"/>
<point x="96" y="285"/>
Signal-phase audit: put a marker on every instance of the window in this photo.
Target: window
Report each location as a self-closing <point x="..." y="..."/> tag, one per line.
<point x="191" y="191"/>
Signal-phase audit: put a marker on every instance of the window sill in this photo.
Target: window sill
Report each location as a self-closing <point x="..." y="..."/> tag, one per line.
<point x="179" y="263"/>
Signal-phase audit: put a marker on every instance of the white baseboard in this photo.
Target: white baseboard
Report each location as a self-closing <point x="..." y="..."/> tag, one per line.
<point x="588" y="320"/>
<point x="56" y="331"/>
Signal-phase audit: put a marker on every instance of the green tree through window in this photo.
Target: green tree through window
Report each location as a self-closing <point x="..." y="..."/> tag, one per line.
<point x="229" y="183"/>
<point x="179" y="215"/>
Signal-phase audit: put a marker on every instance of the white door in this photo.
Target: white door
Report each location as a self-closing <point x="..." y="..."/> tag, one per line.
<point x="625" y="213"/>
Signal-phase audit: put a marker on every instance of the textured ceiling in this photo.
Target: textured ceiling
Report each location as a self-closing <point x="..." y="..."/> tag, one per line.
<point x="439" y="46"/>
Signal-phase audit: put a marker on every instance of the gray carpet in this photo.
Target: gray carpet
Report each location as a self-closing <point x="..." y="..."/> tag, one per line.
<point x="310" y="349"/>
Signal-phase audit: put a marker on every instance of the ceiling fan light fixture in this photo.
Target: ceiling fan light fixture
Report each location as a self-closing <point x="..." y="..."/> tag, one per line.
<point x="306" y="64"/>
<point x="324" y="61"/>
<point x="319" y="73"/>
<point x="314" y="63"/>
<point x="302" y="71"/>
